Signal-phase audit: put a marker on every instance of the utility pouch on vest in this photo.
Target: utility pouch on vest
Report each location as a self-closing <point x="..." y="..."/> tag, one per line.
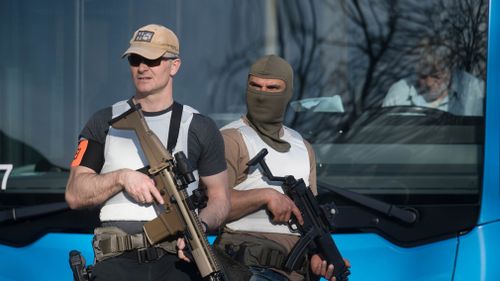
<point x="251" y="250"/>
<point x="235" y="270"/>
<point x="111" y="241"/>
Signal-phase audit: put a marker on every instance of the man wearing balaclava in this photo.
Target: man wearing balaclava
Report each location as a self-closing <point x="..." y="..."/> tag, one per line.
<point x="257" y="234"/>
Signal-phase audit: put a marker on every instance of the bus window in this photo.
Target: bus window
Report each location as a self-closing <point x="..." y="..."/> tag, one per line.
<point x="409" y="128"/>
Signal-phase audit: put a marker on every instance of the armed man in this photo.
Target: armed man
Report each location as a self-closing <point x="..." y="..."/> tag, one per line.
<point x="104" y="171"/>
<point x="257" y="234"/>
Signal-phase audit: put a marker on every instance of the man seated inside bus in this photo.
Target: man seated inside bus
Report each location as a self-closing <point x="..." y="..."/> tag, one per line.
<point x="436" y="84"/>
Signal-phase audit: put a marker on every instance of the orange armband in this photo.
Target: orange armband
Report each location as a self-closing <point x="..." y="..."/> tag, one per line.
<point x="80" y="151"/>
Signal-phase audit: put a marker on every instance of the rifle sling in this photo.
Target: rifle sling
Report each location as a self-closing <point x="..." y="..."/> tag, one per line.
<point x="175" y="125"/>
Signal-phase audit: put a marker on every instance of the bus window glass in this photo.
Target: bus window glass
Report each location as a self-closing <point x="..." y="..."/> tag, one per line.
<point x="390" y="93"/>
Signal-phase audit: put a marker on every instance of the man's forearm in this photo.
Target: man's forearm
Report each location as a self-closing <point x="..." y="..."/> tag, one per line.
<point x="215" y="213"/>
<point x="244" y="202"/>
<point x="219" y="204"/>
<point x="86" y="188"/>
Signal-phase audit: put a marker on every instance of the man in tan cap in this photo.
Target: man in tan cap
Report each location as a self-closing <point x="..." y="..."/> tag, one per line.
<point x="103" y="172"/>
<point x="257" y="234"/>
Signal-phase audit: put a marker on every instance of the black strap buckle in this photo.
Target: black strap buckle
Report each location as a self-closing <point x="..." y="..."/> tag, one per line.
<point x="149" y="254"/>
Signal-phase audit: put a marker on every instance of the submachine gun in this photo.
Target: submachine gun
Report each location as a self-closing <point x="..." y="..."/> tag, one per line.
<point x="177" y="214"/>
<point x="318" y="219"/>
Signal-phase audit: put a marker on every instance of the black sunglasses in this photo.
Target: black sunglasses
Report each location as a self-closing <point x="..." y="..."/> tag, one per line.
<point x="136" y="60"/>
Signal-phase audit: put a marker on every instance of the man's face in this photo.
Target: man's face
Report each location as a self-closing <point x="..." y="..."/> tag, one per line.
<point x="266" y="99"/>
<point x="434" y="85"/>
<point x="266" y="84"/>
<point x="152" y="76"/>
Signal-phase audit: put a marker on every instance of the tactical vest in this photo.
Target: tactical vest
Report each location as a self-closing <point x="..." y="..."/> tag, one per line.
<point x="294" y="162"/>
<point x="122" y="150"/>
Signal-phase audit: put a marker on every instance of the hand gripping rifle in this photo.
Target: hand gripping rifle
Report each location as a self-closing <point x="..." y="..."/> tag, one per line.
<point x="315" y="232"/>
<point x="172" y="178"/>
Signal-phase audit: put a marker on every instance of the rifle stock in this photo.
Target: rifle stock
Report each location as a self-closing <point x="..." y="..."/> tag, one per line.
<point x="177" y="217"/>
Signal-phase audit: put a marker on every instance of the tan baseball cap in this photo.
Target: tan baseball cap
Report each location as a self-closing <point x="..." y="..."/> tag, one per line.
<point x="153" y="41"/>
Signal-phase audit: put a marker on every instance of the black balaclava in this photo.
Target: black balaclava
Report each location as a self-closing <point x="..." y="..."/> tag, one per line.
<point x="266" y="110"/>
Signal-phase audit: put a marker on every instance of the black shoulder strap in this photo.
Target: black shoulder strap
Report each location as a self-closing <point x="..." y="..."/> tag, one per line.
<point x="175" y="125"/>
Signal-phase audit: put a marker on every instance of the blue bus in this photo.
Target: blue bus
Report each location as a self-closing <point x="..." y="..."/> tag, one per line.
<point x="425" y="177"/>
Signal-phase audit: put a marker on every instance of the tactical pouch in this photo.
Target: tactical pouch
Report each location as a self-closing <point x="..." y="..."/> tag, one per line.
<point x="111" y="241"/>
<point x="234" y="270"/>
<point x="101" y="234"/>
<point x="252" y="251"/>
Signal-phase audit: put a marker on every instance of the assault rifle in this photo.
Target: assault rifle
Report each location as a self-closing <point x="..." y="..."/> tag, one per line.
<point x="315" y="232"/>
<point x="178" y="214"/>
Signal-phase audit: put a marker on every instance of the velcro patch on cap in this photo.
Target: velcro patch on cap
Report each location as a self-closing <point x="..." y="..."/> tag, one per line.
<point x="144" y="36"/>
